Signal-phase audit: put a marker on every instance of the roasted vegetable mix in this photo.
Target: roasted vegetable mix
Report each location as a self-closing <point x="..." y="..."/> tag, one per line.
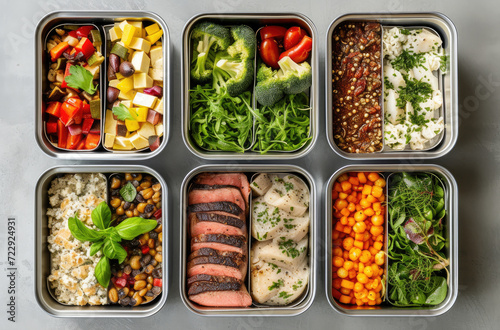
<point x="134" y="119"/>
<point x="222" y="75"/>
<point x="71" y="106"/>
<point x="418" y="265"/>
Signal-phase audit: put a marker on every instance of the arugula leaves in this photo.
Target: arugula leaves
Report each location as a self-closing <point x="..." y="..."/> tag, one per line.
<point x="123" y="113"/>
<point x="80" y="77"/>
<point x="107" y="239"/>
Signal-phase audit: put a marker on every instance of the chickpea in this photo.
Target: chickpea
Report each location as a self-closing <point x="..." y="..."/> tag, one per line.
<point x="147" y="193"/>
<point x="140" y="276"/>
<point x="157" y="187"/>
<point x="156" y="197"/>
<point x="143" y="292"/>
<point x="139" y="177"/>
<point x="120" y="211"/>
<point x="136" y="212"/>
<point x="115" y="183"/>
<point x="149" y="286"/>
<point x="113" y="295"/>
<point x="139" y="285"/>
<point x="145" y="184"/>
<point x="141" y="207"/>
<point x="152" y="252"/>
<point x="150" y="279"/>
<point x="158" y="229"/>
<point x="129" y="213"/>
<point x="151" y="243"/>
<point x="158" y="257"/>
<point x="115" y="202"/>
<point x="128" y="177"/>
<point x="137" y="298"/>
<point x="135" y="262"/>
<point x="149" y="269"/>
<point x="160" y="237"/>
<point x="145" y="236"/>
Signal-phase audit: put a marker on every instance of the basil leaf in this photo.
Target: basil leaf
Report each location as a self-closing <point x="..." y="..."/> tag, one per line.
<point x="82" y="232"/>
<point x="113" y="234"/>
<point x="114" y="250"/>
<point x="96" y="247"/>
<point x="101" y="216"/>
<point x="128" y="192"/>
<point x="103" y="271"/>
<point x="132" y="227"/>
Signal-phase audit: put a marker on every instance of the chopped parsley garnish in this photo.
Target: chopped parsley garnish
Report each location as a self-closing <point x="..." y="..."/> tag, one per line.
<point x="408" y="60"/>
<point x="288" y="247"/>
<point x="288" y="186"/>
<point x="444" y="63"/>
<point x="285" y="295"/>
<point x="276" y="285"/>
<point x="415" y="92"/>
<point x="388" y="84"/>
<point x="296" y="286"/>
<point x="405" y="32"/>
<point x="274" y="267"/>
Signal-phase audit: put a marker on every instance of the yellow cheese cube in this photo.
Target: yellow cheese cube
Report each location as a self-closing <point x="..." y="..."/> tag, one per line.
<point x="159" y="106"/>
<point x="122" y="24"/>
<point x="114" y="83"/>
<point x="127" y="103"/>
<point x="144" y="100"/>
<point x="147" y="129"/>
<point x="127" y="96"/>
<point x="110" y="123"/>
<point x="156" y="74"/>
<point x="144" y="34"/>
<point x="115" y="33"/>
<point x="140" y="61"/>
<point x="142" y="80"/>
<point x="153" y="28"/>
<point x="132" y="125"/>
<point x="159" y="129"/>
<point x="126" y="84"/>
<point x="140" y="44"/>
<point x="128" y="34"/>
<point x="122" y="143"/>
<point x="142" y="114"/>
<point x="155" y="37"/>
<point x="109" y="140"/>
<point x="138" y="141"/>
<point x="156" y="53"/>
<point x="138" y="28"/>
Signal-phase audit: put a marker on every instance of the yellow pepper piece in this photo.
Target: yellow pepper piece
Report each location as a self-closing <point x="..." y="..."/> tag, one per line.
<point x="128" y="34"/>
<point x="155" y="36"/>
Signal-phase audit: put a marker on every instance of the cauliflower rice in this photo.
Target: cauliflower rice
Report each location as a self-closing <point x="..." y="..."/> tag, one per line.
<point x="72" y="268"/>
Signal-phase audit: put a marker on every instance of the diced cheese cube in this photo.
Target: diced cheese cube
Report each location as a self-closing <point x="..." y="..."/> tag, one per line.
<point x="153" y="28"/>
<point x="122" y="143"/>
<point x="110" y="123"/>
<point x="138" y="28"/>
<point x="142" y="80"/>
<point x="126" y="85"/>
<point x="159" y="106"/>
<point x="144" y="34"/>
<point x="156" y="53"/>
<point x="114" y="83"/>
<point x="146" y="130"/>
<point x="142" y="114"/>
<point x="115" y="33"/>
<point x="155" y="36"/>
<point x="128" y="34"/>
<point x="144" y="100"/>
<point x="140" y="44"/>
<point x="158" y="65"/>
<point x="109" y="140"/>
<point x="132" y="125"/>
<point x="127" y="103"/>
<point x="156" y="74"/>
<point x="127" y="96"/>
<point x="140" y="61"/>
<point x="122" y="24"/>
<point x="94" y="69"/>
<point x="138" y="141"/>
<point x="159" y="129"/>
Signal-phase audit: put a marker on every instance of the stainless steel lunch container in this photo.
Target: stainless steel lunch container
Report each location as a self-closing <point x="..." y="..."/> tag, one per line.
<point x="449" y="82"/>
<point x="42" y="254"/>
<point x="451" y="205"/>
<point x="98" y="18"/>
<point x="255" y="21"/>
<point x="295" y="309"/>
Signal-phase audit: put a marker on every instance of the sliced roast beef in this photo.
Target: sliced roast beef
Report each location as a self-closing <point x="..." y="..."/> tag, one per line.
<point x="234" y="262"/>
<point x="226" y="207"/>
<point x="213" y="283"/>
<point x="233" y="195"/>
<point x="225" y="179"/>
<point x="215" y="298"/>
<point x="220" y="242"/>
<point x="211" y="252"/>
<point x="217" y="270"/>
<point x="209" y="278"/>
<point x="212" y="223"/>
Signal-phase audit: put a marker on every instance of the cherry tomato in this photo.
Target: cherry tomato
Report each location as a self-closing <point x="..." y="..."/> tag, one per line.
<point x="300" y="51"/>
<point x="272" y="31"/>
<point x="293" y="36"/>
<point x="269" y="52"/>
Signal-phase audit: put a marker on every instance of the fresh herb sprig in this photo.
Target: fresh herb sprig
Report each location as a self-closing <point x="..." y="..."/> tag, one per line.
<point x="418" y="273"/>
<point x="107" y="239"/>
<point x="123" y="113"/>
<point x="79" y="77"/>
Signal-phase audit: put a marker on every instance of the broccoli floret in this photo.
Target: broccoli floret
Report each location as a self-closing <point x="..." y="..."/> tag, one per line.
<point x="295" y="78"/>
<point x="207" y="39"/>
<point x="269" y="89"/>
<point x="237" y="73"/>
<point x="244" y="42"/>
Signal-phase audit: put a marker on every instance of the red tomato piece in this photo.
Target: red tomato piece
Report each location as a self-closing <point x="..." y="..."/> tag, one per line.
<point x="293" y="36"/>
<point x="269" y="52"/>
<point x="300" y="52"/>
<point x="272" y="31"/>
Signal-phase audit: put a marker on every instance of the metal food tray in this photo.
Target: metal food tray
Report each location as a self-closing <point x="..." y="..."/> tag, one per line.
<point x="99" y="19"/>
<point x="43" y="295"/>
<point x="448" y="83"/>
<point x="255" y="21"/>
<point x="451" y="234"/>
<point x="295" y="308"/>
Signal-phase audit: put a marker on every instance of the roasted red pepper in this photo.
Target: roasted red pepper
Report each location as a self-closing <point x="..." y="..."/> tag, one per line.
<point x="57" y="50"/>
<point x="51" y="126"/>
<point x="62" y="134"/>
<point x="54" y="109"/>
<point x="68" y="112"/>
<point x="83" y="31"/>
<point x="66" y="73"/>
<point x="157" y="214"/>
<point x="73" y="34"/>
<point x="86" y="47"/>
<point x="299" y="52"/>
<point x="87" y="125"/>
<point x="145" y="249"/>
<point x="86" y="110"/>
<point x="81" y="145"/>
<point x="73" y="141"/>
<point x="121" y="282"/>
<point x="92" y="141"/>
<point x="157" y="282"/>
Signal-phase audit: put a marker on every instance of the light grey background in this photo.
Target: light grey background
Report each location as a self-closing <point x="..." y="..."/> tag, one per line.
<point x="474" y="161"/>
